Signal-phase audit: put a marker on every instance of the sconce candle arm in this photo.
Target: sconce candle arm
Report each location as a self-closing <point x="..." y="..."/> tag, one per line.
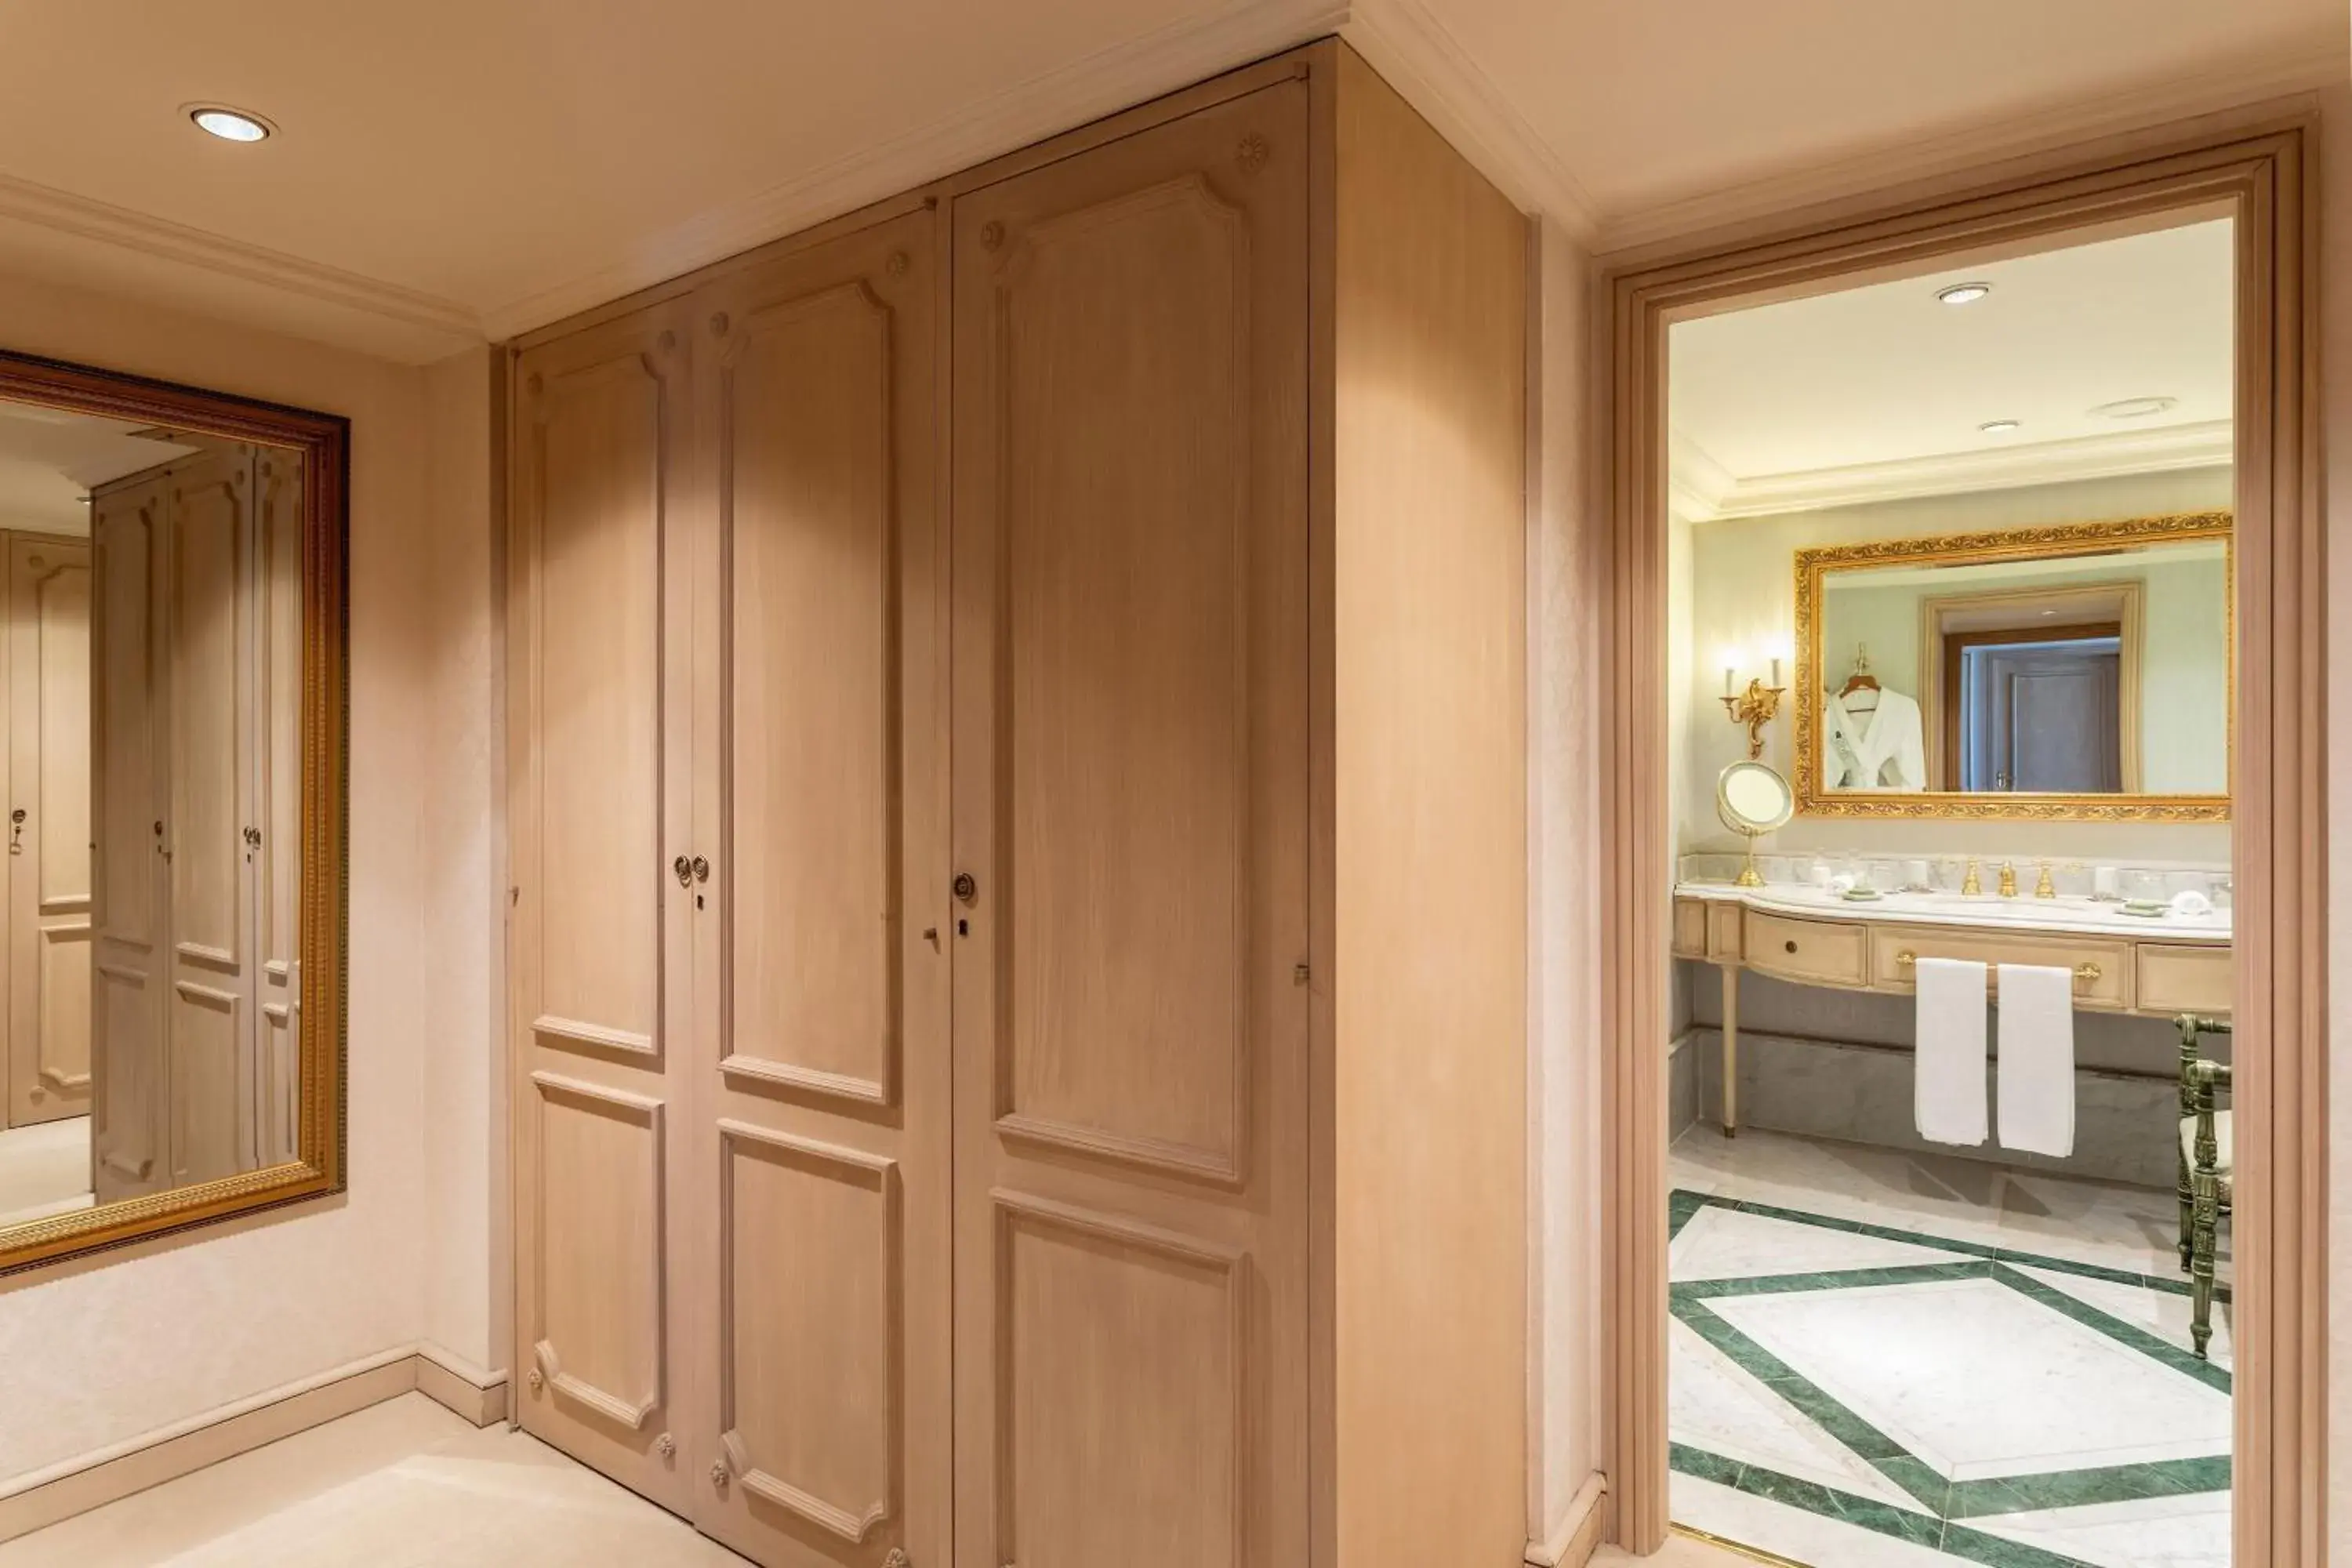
<point x="1755" y="708"/>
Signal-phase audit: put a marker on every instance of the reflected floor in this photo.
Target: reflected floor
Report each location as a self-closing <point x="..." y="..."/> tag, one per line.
<point x="1880" y="1358"/>
<point x="44" y="1169"/>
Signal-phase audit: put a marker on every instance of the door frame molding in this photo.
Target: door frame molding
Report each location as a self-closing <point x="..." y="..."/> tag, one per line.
<point x="2258" y="167"/>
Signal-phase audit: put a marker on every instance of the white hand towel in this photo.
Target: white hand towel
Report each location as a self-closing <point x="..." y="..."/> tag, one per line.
<point x="2037" y="1059"/>
<point x="1948" y="1092"/>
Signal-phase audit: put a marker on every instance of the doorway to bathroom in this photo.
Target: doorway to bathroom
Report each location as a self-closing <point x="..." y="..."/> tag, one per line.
<point x="1948" y="520"/>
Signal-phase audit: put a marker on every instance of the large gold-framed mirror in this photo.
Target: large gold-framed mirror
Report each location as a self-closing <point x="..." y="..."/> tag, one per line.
<point x="172" y="675"/>
<point x="2078" y="671"/>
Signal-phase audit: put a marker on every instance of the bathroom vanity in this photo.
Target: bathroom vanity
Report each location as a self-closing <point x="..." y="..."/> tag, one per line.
<point x="2153" y="966"/>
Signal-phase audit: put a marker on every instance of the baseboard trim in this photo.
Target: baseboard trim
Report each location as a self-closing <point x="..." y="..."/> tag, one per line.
<point x="46" y="1496"/>
<point x="1578" y="1534"/>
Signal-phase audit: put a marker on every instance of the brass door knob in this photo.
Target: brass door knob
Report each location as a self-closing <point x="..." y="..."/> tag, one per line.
<point x="967" y="889"/>
<point x="702" y="869"/>
<point x="683" y="869"/>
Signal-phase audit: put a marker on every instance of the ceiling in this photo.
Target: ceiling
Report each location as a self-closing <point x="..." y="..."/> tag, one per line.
<point x="446" y="170"/>
<point x="1872" y="393"/>
<point x="49" y="458"/>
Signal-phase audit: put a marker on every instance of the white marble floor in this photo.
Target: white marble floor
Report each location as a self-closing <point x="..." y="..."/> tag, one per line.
<point x="44" y="1169"/>
<point x="404" y="1484"/>
<point x="1882" y="1359"/>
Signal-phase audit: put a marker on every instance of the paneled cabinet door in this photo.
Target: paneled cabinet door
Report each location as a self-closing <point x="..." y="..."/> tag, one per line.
<point x="816" y="1202"/>
<point x="48" y="827"/>
<point x="1130" y="794"/>
<point x="599" y="711"/>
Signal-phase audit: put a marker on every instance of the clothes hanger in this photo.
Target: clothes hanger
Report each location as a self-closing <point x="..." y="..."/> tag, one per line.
<point x="1861" y="679"/>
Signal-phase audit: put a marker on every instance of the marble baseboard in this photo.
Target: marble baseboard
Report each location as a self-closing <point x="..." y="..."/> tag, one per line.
<point x="1682" y="1085"/>
<point x="2124" y="1128"/>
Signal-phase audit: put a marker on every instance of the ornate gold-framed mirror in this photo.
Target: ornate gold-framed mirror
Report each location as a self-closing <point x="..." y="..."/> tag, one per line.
<point x="174" y="680"/>
<point x="2072" y="672"/>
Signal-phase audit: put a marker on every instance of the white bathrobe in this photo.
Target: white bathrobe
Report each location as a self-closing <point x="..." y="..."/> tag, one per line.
<point x="1886" y="749"/>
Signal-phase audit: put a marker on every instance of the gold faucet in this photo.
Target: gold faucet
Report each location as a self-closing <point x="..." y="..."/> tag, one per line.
<point x="2008" y="880"/>
<point x="2045" y="889"/>
<point x="1971" y="885"/>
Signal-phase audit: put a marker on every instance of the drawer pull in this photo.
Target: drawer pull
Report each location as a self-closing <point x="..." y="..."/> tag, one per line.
<point x="2085" y="974"/>
<point x="1792" y="946"/>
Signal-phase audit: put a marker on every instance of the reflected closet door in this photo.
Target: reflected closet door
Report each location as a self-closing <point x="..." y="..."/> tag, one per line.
<point x="130" y="1080"/>
<point x="818" y="1205"/>
<point x="1130" y="797"/>
<point x="48" y="827"/>
<point x="599" y="713"/>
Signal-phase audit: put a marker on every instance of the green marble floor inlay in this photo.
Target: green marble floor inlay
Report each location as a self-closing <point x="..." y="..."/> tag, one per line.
<point x="1942" y="1503"/>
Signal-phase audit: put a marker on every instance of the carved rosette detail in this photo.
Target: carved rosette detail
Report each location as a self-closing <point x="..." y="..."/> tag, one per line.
<point x="718" y="323"/>
<point x="897" y="266"/>
<point x="991" y="235"/>
<point x="1252" y="153"/>
<point x="668" y="340"/>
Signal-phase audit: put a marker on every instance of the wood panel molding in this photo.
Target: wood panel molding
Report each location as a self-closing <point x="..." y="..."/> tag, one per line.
<point x="2261" y="173"/>
<point x="594" y="1098"/>
<point x="1108" y="1236"/>
<point x="847" y="1520"/>
<point x="1577" y="1536"/>
<point x="594" y="1037"/>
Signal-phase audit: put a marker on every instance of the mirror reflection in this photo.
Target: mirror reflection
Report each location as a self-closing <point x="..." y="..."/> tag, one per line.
<point x="2081" y="661"/>
<point x="150" y="678"/>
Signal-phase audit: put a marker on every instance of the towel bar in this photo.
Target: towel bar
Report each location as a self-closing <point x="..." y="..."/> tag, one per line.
<point x="2085" y="974"/>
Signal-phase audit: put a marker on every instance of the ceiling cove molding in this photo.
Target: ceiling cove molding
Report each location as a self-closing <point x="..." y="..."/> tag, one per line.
<point x="1102" y="83"/>
<point x="2304" y="65"/>
<point x="1414" y="52"/>
<point x="21" y="201"/>
<point x="1704" y="491"/>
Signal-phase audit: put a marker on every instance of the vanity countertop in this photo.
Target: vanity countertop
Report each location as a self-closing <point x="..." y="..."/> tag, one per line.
<point x="2067" y="915"/>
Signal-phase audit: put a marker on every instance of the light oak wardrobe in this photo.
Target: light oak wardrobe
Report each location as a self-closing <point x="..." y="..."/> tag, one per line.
<point x="1019" y="870"/>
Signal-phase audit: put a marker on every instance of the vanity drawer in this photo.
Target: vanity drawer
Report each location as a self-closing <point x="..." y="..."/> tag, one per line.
<point x="2103" y="968"/>
<point x="1818" y="952"/>
<point x="1690" y="928"/>
<point x="2184" y="979"/>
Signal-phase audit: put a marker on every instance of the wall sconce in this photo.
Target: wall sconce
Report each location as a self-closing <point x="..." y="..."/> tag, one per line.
<point x="1755" y="707"/>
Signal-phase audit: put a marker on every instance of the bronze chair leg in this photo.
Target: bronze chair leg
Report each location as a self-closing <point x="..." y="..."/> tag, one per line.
<point x="2207" y="1213"/>
<point x="2187" y="1208"/>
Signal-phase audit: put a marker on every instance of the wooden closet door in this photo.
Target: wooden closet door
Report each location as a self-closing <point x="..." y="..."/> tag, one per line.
<point x="210" y="1005"/>
<point x="130" y="896"/>
<point x="50" y="828"/>
<point x="818" y="1195"/>
<point x="599" y="716"/>
<point x="1130" y="799"/>
<point x="278" y="849"/>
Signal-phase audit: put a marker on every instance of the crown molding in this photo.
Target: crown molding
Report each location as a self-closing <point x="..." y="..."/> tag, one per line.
<point x="1404" y="41"/>
<point x="2304" y="64"/>
<point x="437" y="326"/>
<point x="1703" y="491"/>
<point x="1102" y="83"/>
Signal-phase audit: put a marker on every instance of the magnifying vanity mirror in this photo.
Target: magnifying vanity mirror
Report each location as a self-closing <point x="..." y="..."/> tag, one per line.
<point x="2077" y="671"/>
<point x="173" y="679"/>
<point x="1753" y="800"/>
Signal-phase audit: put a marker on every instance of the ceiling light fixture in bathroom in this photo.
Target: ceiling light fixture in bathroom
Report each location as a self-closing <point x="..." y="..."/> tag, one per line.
<point x="2000" y="427"/>
<point x="1964" y="293"/>
<point x="2135" y="408"/>
<point x="229" y="124"/>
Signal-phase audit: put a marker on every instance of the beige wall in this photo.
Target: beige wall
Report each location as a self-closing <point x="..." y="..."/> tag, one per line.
<point x="1743" y="594"/>
<point x="107" y="1350"/>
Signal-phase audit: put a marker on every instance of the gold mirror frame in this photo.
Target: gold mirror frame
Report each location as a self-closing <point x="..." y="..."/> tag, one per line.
<point x="2049" y="543"/>
<point x="324" y="442"/>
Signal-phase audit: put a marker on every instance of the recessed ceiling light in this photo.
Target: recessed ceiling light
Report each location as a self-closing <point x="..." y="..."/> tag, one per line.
<point x="1964" y="293"/>
<point x="229" y="124"/>
<point x="2135" y="408"/>
<point x="2000" y="427"/>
